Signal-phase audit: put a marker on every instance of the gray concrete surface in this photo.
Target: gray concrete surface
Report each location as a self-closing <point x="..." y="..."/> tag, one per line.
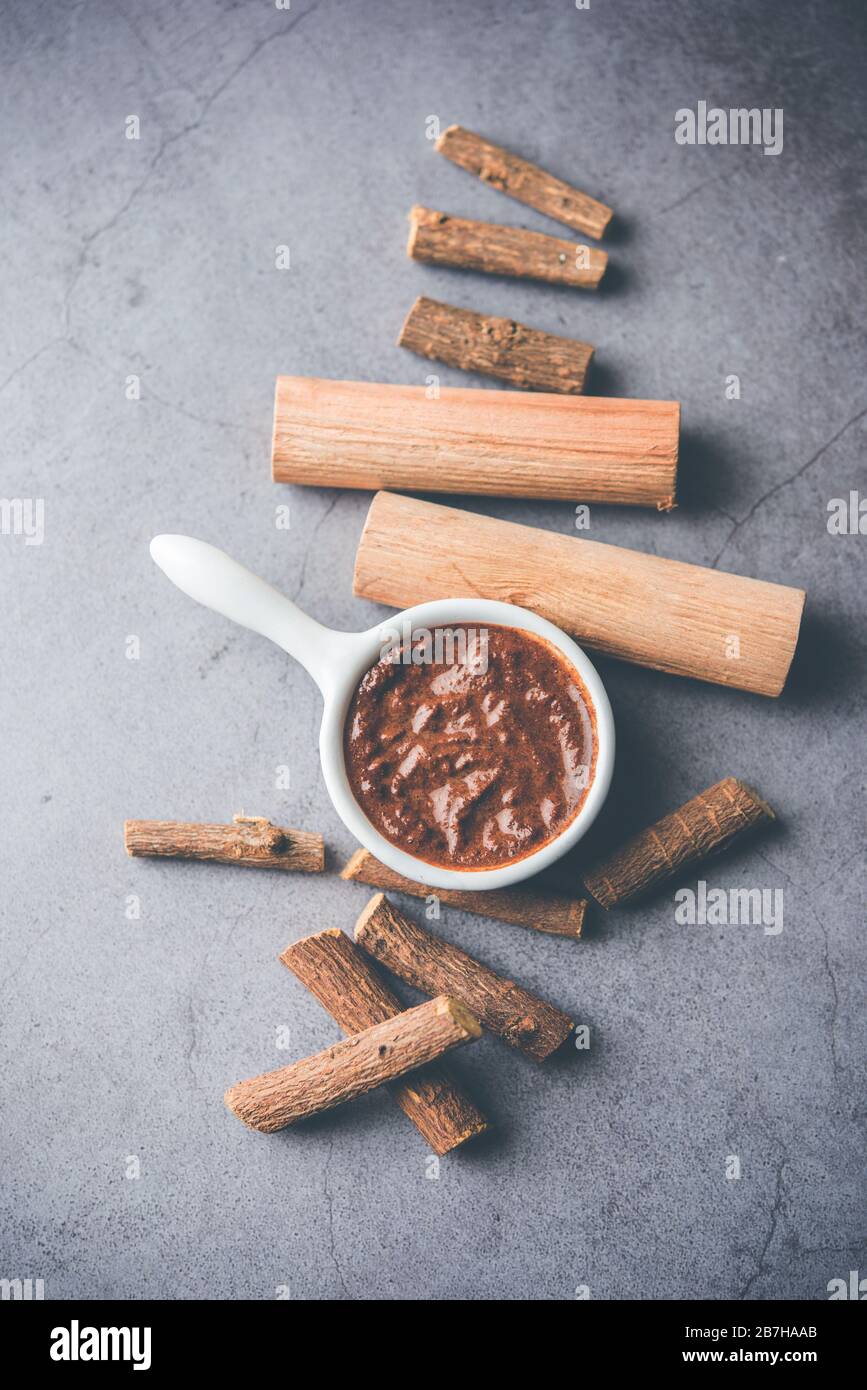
<point x="155" y="259"/>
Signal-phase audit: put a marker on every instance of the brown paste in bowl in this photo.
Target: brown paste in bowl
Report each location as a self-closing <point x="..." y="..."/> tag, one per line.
<point x="471" y="746"/>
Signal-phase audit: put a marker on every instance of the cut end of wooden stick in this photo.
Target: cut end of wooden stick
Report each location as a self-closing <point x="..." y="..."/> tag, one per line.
<point x="231" y="1101"/>
<point x="444" y="136"/>
<point x="800" y="599"/>
<point x="416" y="217"/>
<point x="287" y="955"/>
<point x="367" y="918"/>
<point x="461" y="1015"/>
<point x="669" y="502"/>
<point x="420" y="301"/>
<point x="751" y="794"/>
<point x="353" y="864"/>
<point x="238" y="1100"/>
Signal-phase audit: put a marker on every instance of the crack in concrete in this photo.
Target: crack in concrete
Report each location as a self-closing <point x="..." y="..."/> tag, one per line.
<point x="193" y="1027"/>
<point x="201" y="419"/>
<point x="193" y="1016"/>
<point x="165" y="144"/>
<point x="309" y="546"/>
<point x="836" y="1065"/>
<point x="856" y="1248"/>
<point x="52" y="342"/>
<point x="838" y="868"/>
<point x="835" y="997"/>
<point x="13" y="974"/>
<point x="778" y="487"/>
<point x="155" y="60"/>
<point x="213" y="421"/>
<point x="719" y="178"/>
<point x="332" y="1248"/>
<point x="721" y="511"/>
<point x="761" y="1267"/>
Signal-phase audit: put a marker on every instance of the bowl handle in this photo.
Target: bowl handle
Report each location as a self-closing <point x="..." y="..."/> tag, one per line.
<point x="214" y="579"/>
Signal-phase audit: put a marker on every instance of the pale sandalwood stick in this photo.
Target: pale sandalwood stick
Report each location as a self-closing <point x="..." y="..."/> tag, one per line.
<point x="704" y="826"/>
<point x="498" y="347"/>
<point x="528" y="183"/>
<point x="432" y="965"/>
<point x="501" y="443"/>
<point x="441" y="239"/>
<point x="674" y="617"/>
<point x="251" y="841"/>
<point x="525" y="907"/>
<point x="340" y="1073"/>
<point x="346" y="984"/>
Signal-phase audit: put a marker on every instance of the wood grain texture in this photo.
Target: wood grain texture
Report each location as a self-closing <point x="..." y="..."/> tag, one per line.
<point x="251" y="841"/>
<point x="362" y="434"/>
<point x="503" y="348"/>
<point x="674" y="617"/>
<point x="440" y="239"/>
<point x="706" y="825"/>
<point x="427" y="962"/>
<point x="524" y="907"/>
<point x="511" y="174"/>
<point x="341" y="1073"/>
<point x="348" y="986"/>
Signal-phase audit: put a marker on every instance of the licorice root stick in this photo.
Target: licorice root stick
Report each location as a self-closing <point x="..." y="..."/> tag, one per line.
<point x="681" y="618"/>
<point x="358" y="1064"/>
<point x="498" y="347"/>
<point x="433" y="965"/>
<point x="251" y="841"/>
<point x="366" y="434"/>
<point x="704" y="826"/>
<point x="441" y="239"/>
<point x="348" y="986"/>
<point x="528" y="183"/>
<point x="524" y="907"/>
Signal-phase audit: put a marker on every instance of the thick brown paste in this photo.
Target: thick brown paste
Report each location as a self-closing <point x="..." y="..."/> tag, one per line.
<point x="478" y="758"/>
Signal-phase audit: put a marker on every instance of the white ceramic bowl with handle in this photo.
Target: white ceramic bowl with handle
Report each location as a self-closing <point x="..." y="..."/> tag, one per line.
<point x="338" y="660"/>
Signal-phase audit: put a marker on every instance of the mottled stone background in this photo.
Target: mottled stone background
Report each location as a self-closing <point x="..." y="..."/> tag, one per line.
<point x="156" y="258"/>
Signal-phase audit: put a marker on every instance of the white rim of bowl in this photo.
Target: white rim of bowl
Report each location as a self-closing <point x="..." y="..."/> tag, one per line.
<point x="439" y="613"/>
